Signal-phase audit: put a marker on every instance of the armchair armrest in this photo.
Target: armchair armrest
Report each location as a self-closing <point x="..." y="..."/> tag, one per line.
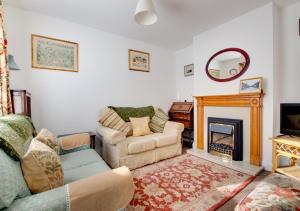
<point x="55" y="199"/>
<point x="75" y="142"/>
<point x="110" y="190"/>
<point x="110" y="136"/>
<point x="172" y="127"/>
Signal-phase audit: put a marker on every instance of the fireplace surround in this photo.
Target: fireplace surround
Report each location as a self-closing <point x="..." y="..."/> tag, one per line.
<point x="253" y="101"/>
<point x="225" y="137"/>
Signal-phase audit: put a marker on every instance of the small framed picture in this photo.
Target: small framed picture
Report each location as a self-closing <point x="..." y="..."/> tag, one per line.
<point x="138" y="60"/>
<point x="251" y="85"/>
<point x="188" y="70"/>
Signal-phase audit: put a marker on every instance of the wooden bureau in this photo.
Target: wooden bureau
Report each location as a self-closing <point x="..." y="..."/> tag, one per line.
<point x="183" y="112"/>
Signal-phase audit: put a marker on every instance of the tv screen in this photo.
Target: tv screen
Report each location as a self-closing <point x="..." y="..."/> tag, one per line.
<point x="290" y="119"/>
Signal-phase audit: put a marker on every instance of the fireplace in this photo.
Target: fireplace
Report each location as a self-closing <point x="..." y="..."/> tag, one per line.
<point x="225" y="138"/>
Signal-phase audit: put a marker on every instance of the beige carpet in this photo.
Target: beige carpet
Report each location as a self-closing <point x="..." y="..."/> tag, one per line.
<point x="233" y="202"/>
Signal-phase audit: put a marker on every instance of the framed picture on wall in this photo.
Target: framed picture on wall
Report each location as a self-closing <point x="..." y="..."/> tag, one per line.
<point x="188" y="70"/>
<point x="54" y="54"/>
<point x="251" y="85"/>
<point x="138" y="60"/>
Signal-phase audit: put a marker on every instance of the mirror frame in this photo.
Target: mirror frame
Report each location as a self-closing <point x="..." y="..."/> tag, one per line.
<point x="247" y="63"/>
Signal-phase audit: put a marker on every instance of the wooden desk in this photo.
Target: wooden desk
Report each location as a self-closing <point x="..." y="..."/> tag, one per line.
<point x="289" y="147"/>
<point x="183" y="112"/>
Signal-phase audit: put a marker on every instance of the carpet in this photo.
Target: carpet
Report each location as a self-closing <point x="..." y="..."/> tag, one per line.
<point x="185" y="183"/>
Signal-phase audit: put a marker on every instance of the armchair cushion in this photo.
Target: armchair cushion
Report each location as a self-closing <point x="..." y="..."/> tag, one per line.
<point x="12" y="183"/>
<point x="74" y="160"/>
<point x="47" y="137"/>
<point x="73" y="143"/>
<point x="42" y="168"/>
<point x="107" y="191"/>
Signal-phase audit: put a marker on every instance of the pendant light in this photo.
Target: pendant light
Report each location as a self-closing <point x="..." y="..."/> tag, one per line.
<point x="145" y="13"/>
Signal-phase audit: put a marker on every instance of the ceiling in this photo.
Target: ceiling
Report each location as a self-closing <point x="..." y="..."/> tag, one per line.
<point x="178" y="20"/>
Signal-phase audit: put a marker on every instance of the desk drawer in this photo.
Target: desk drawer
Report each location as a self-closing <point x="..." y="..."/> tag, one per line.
<point x="180" y="116"/>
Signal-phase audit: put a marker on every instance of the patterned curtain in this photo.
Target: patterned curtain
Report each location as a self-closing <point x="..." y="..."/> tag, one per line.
<point x="5" y="99"/>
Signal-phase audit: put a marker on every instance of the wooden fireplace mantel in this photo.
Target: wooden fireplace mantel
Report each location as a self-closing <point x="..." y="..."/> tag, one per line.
<point x="254" y="101"/>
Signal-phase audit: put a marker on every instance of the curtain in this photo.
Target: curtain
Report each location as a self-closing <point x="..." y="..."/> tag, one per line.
<point x="5" y="98"/>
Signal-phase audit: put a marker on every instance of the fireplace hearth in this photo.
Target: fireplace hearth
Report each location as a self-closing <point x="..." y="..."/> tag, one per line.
<point x="225" y="138"/>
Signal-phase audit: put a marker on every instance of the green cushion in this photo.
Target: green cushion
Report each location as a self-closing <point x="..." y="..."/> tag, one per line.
<point x="12" y="184"/>
<point x="126" y="112"/>
<point x="157" y="123"/>
<point x="15" y="131"/>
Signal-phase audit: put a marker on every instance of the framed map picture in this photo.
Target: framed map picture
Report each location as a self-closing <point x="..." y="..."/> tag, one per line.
<point x="138" y="60"/>
<point x="54" y="54"/>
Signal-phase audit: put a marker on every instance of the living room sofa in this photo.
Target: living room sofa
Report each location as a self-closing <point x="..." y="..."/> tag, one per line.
<point x="94" y="185"/>
<point x="133" y="152"/>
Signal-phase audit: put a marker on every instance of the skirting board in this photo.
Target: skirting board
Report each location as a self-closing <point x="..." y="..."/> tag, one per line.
<point x="241" y="166"/>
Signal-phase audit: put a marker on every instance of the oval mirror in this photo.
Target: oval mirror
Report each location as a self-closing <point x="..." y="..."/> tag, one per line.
<point x="227" y="64"/>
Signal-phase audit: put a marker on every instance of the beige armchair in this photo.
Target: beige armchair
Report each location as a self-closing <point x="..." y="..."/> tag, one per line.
<point x="133" y="152"/>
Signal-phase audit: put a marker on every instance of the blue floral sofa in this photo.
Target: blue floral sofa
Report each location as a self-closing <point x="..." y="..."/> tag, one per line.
<point x="99" y="187"/>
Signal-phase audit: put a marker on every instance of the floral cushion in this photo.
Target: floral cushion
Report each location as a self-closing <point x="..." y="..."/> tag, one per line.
<point x="42" y="168"/>
<point x="12" y="184"/>
<point x="47" y="137"/>
<point x="276" y="192"/>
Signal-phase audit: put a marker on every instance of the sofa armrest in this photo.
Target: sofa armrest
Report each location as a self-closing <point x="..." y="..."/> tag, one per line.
<point x="110" y="190"/>
<point x="55" y="199"/>
<point x="75" y="142"/>
<point x="110" y="136"/>
<point x="172" y="127"/>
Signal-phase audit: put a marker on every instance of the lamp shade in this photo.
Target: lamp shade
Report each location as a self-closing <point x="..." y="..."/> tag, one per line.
<point x="11" y="63"/>
<point x="145" y="13"/>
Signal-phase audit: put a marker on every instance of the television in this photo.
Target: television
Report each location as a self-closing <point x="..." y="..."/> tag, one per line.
<point x="290" y="119"/>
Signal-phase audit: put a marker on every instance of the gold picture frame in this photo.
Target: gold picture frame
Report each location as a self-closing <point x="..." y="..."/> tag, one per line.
<point x="251" y="85"/>
<point x="54" y="54"/>
<point x="138" y="60"/>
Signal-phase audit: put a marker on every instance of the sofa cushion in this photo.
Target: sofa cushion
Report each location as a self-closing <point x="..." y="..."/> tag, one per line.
<point x="15" y="131"/>
<point x="91" y="169"/>
<point x="12" y="183"/>
<point x="165" y="140"/>
<point x="140" y="126"/>
<point x="111" y="119"/>
<point x="47" y="137"/>
<point x="79" y="158"/>
<point x="141" y="143"/>
<point x="42" y="168"/>
<point x="157" y="123"/>
<point x="126" y="112"/>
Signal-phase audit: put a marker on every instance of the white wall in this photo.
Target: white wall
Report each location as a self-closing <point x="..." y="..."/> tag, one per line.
<point x="289" y="74"/>
<point x="184" y="85"/>
<point x="252" y="32"/>
<point x="68" y="102"/>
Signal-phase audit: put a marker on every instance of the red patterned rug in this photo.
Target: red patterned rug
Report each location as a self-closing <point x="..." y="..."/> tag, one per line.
<point x="185" y="183"/>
